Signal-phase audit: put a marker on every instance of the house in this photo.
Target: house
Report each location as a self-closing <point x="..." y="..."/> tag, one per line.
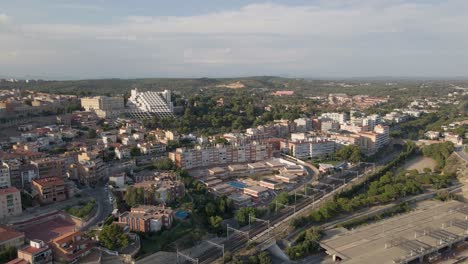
<point x="286" y="177"/>
<point x="71" y="246"/>
<point x="37" y="252"/>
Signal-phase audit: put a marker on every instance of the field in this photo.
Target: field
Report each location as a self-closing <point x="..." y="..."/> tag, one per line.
<point x="419" y="163"/>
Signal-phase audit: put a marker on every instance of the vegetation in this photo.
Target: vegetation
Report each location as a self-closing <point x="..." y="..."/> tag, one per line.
<point x="113" y="237"/>
<point x="82" y="210"/>
<point x="306" y="243"/>
<point x="242" y="215"/>
<point x="7" y="254"/>
<point x="351" y="153"/>
<point x="281" y="199"/>
<point x="439" y="152"/>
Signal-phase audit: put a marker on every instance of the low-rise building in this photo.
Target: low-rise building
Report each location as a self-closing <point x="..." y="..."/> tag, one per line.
<point x="270" y="184"/>
<point x="37" y="252"/>
<point x="286" y="177"/>
<point x="10" y="202"/>
<point x="255" y="191"/>
<point x="240" y="200"/>
<point x="70" y="247"/>
<point x="148" y="218"/>
<point x="10" y="237"/>
<point x="293" y="169"/>
<point x="50" y="190"/>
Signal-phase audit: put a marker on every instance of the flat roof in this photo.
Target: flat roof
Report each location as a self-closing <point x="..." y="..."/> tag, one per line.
<point x="398" y="239"/>
<point x="270" y="181"/>
<point x="256" y="188"/>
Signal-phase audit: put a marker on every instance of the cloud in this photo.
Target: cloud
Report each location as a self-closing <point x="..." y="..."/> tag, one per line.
<point x="4" y="18"/>
<point x="329" y="37"/>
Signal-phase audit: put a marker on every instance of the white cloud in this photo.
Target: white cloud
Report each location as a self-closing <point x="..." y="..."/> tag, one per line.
<point x="331" y="36"/>
<point x="4" y="18"/>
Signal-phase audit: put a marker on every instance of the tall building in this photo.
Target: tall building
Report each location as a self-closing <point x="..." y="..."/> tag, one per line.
<point x="217" y="155"/>
<point x="104" y="106"/>
<point x="10" y="202"/>
<point x="150" y="103"/>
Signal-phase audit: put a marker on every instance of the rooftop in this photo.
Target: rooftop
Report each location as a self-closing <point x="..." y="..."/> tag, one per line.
<point x="7" y="233"/>
<point x="9" y="190"/>
<point x="49" y="181"/>
<point x="402" y="238"/>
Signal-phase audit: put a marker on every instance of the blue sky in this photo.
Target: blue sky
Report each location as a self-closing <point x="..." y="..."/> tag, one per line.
<point x="72" y="39"/>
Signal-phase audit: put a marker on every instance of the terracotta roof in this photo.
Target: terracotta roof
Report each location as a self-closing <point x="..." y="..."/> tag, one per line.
<point x="7" y="233"/>
<point x="49" y="181"/>
<point x="18" y="261"/>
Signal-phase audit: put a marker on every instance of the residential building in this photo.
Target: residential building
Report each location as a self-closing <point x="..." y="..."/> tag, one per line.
<point x="70" y="247"/>
<point x="104" y="106"/>
<point x="327" y="125"/>
<point x="50" y="190"/>
<point x="303" y="124"/>
<point x="433" y="135"/>
<point x="37" y="252"/>
<point x="5" y="180"/>
<point x="220" y="154"/>
<point x="341" y="118"/>
<point x="150" y="103"/>
<point x="10" y="237"/>
<point x="51" y="167"/>
<point x="150" y="148"/>
<point x="10" y="202"/>
<point x="145" y="218"/>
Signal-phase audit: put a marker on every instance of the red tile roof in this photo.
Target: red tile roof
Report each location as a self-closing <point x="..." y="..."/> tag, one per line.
<point x="7" y="233"/>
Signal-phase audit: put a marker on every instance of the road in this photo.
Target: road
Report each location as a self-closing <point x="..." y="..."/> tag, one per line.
<point x="101" y="194"/>
<point x="461" y="153"/>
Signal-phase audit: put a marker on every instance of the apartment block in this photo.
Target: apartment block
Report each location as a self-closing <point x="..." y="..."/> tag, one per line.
<point x="50" y="190"/>
<point x="220" y="154"/>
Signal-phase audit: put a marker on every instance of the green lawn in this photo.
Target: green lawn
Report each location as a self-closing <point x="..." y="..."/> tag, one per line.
<point x="81" y="210"/>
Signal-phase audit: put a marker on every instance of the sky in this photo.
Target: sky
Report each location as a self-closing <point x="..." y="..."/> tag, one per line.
<point x="79" y="39"/>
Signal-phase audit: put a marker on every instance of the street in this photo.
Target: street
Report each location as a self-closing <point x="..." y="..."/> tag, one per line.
<point x="101" y="194"/>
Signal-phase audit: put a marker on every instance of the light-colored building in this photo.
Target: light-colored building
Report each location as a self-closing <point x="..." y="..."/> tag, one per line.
<point x="5" y="180"/>
<point x="150" y="103"/>
<point x="10" y="202"/>
<point x="104" y="106"/>
<point x="212" y="156"/>
<point x="255" y="191"/>
<point x="37" y="252"/>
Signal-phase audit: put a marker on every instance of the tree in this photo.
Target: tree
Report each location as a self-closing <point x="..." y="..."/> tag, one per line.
<point x="113" y="237"/>
<point x="7" y="254"/>
<point x="351" y="153"/>
<point x="215" y="222"/>
<point x="242" y="215"/>
<point x="210" y="209"/>
<point x="264" y="258"/>
<point x="135" y="151"/>
<point x="163" y="164"/>
<point x="92" y="133"/>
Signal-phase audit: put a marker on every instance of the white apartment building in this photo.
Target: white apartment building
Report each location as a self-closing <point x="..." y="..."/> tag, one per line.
<point x="338" y="117"/>
<point x="150" y="103"/>
<point x="311" y="148"/>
